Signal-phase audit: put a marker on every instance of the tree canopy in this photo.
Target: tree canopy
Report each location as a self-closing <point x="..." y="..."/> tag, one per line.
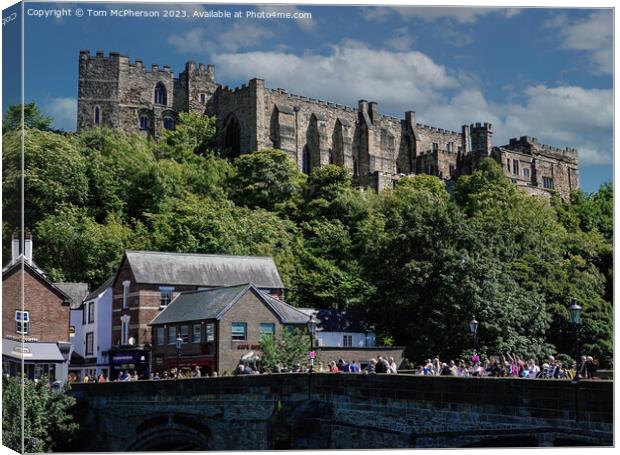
<point x="422" y="260"/>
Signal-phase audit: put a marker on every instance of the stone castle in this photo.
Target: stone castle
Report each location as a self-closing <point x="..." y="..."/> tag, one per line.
<point x="377" y="149"/>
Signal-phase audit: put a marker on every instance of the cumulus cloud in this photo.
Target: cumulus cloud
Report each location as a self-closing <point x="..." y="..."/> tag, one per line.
<point x="63" y="111"/>
<point x="351" y="70"/>
<point x="558" y="115"/>
<point x="401" y="40"/>
<point x="592" y="35"/>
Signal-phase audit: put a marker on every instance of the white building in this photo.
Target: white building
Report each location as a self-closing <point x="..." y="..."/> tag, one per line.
<point x="91" y="324"/>
<point x="342" y="328"/>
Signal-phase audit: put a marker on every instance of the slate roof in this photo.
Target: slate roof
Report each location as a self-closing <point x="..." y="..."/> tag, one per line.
<point x="150" y="267"/>
<point x="32" y="351"/>
<point x="75" y="291"/>
<point x="213" y="303"/>
<point x="107" y="284"/>
<point x="352" y="321"/>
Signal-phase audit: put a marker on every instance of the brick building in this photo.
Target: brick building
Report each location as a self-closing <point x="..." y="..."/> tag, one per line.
<point x="219" y="326"/>
<point x="376" y="149"/>
<point x="146" y="282"/>
<point x="35" y="319"/>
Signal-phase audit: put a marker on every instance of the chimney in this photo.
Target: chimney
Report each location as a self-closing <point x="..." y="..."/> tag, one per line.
<point x="28" y="247"/>
<point x="15" y="246"/>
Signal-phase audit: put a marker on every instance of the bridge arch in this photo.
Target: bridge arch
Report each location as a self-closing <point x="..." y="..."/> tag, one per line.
<point x="171" y="433"/>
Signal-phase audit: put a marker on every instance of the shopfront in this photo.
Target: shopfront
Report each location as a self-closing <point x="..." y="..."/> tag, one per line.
<point x="135" y="360"/>
<point x="41" y="360"/>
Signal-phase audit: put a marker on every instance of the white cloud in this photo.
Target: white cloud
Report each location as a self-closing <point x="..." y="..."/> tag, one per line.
<point x="350" y="71"/>
<point x="400" y="41"/>
<point x="592" y="34"/>
<point x="63" y="111"/>
<point x="402" y="79"/>
<point x="462" y="15"/>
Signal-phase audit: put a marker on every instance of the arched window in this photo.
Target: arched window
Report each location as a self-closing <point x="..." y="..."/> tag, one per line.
<point x="168" y="122"/>
<point x="144" y="122"/>
<point x="160" y="93"/>
<point x="232" y="136"/>
<point x="97" y="115"/>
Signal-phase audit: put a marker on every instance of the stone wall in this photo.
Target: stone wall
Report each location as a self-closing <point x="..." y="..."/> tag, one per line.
<point x="330" y="411"/>
<point x="375" y="148"/>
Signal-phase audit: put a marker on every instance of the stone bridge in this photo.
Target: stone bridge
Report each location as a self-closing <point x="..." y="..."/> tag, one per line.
<point x="341" y="411"/>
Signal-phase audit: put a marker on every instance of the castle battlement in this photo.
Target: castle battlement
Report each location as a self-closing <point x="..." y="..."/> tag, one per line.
<point x="115" y="92"/>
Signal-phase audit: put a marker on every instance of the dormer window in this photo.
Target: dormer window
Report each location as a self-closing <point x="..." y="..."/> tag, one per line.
<point x="160" y="94"/>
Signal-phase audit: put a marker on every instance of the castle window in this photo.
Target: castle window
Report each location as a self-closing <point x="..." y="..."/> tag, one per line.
<point x="97" y="115"/>
<point x="515" y="167"/>
<point x="548" y="183"/>
<point x="144" y="122"/>
<point x="435" y="146"/>
<point x="203" y="98"/>
<point x="449" y="146"/>
<point x="168" y="122"/>
<point x="526" y="172"/>
<point x="160" y="93"/>
<point x="508" y="164"/>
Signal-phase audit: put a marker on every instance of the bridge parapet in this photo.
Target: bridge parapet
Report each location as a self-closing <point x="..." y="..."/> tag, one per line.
<point x="344" y="411"/>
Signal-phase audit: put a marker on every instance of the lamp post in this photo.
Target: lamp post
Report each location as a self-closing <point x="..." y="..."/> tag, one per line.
<point x="179" y="343"/>
<point x="574" y="312"/>
<point x="473" y="330"/>
<point x="312" y="323"/>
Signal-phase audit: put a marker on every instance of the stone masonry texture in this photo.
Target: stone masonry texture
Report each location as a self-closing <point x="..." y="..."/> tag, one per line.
<point x="376" y="149"/>
<point x="348" y="411"/>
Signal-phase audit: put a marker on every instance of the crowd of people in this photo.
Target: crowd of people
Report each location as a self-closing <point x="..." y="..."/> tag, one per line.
<point x="510" y="365"/>
<point x="504" y="365"/>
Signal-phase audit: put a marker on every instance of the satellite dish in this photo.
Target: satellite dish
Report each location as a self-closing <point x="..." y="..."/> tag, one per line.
<point x="131" y="341"/>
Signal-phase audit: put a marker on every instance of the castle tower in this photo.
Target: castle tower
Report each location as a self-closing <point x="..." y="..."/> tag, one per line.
<point x="481" y="139"/>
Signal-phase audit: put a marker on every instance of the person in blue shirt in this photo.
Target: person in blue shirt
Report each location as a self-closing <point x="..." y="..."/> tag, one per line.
<point x="354" y="367"/>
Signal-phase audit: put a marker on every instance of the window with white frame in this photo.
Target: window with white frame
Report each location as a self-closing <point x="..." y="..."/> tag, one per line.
<point x="239" y="331"/>
<point x="165" y="295"/>
<point x="91" y="312"/>
<point x="197" y="333"/>
<point x="125" y="330"/>
<point x="210" y="333"/>
<point x="347" y="341"/>
<point x="126" y="294"/>
<point x="89" y="343"/>
<point x="22" y="322"/>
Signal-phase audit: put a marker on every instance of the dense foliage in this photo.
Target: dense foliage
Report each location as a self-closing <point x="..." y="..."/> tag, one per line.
<point x="47" y="420"/>
<point x="420" y="259"/>
<point x="287" y="350"/>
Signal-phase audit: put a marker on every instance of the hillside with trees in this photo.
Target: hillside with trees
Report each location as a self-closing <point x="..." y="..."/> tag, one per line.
<point x="421" y="260"/>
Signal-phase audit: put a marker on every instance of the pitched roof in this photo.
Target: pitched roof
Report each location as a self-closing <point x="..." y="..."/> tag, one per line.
<point x="107" y="284"/>
<point x="75" y="291"/>
<point x="37" y="271"/>
<point x="150" y="267"/>
<point x="213" y="304"/>
<point x="355" y="321"/>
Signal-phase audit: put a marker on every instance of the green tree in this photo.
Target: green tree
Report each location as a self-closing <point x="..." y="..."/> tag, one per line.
<point x="48" y="422"/>
<point x="54" y="173"/>
<point x="288" y="350"/>
<point x="194" y="134"/>
<point x="265" y="179"/>
<point x="72" y="246"/>
<point x="33" y="118"/>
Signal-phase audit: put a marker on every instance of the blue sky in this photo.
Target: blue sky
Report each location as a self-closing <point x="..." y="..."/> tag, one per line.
<point x="539" y="72"/>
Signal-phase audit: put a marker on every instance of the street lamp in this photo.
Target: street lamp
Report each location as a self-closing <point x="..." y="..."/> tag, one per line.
<point x="574" y="312"/>
<point x="473" y="330"/>
<point x="179" y="343"/>
<point x="312" y="323"/>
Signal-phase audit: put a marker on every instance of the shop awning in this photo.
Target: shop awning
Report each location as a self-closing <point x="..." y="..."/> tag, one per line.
<point x="31" y="351"/>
